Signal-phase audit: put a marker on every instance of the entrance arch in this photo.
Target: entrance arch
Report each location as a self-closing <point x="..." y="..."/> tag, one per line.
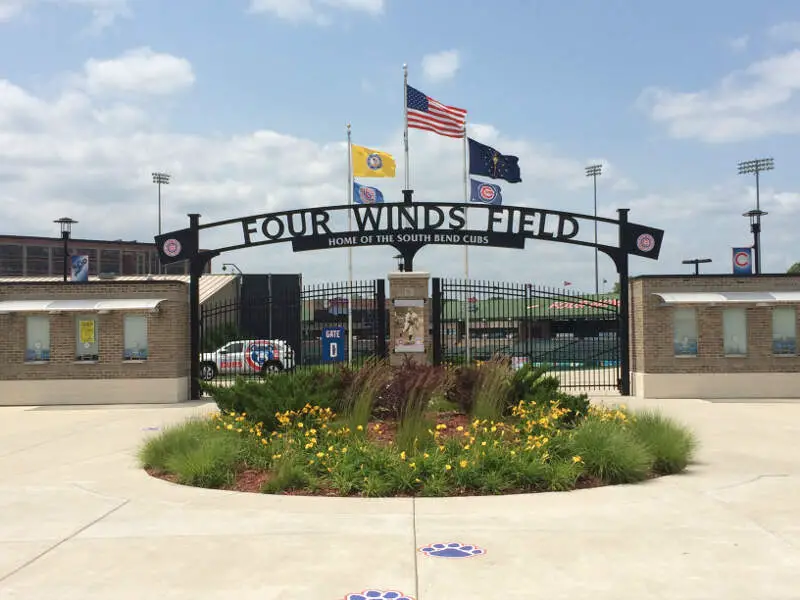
<point x="408" y="227"/>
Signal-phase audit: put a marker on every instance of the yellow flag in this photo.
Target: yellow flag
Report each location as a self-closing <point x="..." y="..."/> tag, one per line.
<point x="372" y="163"/>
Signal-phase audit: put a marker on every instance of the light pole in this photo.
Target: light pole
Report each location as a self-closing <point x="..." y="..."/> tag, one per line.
<point x="66" y="228"/>
<point x="696" y="262"/>
<point x="160" y="179"/>
<point x="746" y="168"/>
<point x="594" y="171"/>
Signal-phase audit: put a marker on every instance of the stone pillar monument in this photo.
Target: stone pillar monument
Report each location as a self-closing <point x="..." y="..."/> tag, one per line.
<point x="409" y="317"/>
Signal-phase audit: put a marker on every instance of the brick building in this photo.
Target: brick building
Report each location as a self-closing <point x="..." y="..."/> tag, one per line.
<point x="26" y="256"/>
<point x="105" y="341"/>
<point x="715" y="336"/>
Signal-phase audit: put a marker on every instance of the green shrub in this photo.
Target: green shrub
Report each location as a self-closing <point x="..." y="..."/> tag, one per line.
<point x="492" y="389"/>
<point x="672" y="445"/>
<point x="194" y="453"/>
<point x="260" y="400"/>
<point x="177" y="439"/>
<point x="610" y="451"/>
<point x="368" y="382"/>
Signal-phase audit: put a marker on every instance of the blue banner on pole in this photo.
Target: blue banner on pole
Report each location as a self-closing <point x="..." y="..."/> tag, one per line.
<point x="333" y="344"/>
<point x="79" y="268"/>
<point x="742" y="261"/>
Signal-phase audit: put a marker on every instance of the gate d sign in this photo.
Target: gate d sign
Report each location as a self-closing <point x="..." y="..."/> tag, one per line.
<point x="333" y="339"/>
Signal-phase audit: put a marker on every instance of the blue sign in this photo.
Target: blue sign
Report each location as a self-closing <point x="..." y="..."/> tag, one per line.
<point x="742" y="261"/>
<point x="333" y="348"/>
<point x="79" y="268"/>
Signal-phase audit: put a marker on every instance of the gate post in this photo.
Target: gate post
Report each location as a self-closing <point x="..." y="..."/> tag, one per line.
<point x="624" y="315"/>
<point x="196" y="264"/>
<point x="436" y="320"/>
<point x="380" y="318"/>
<point x="408" y="327"/>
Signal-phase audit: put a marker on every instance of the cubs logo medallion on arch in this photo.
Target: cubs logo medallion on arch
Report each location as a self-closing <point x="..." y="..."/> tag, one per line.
<point x="645" y="242"/>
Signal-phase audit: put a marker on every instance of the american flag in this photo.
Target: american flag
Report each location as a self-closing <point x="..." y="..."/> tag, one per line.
<point x="431" y="115"/>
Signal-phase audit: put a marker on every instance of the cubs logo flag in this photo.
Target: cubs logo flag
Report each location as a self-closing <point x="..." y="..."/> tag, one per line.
<point x="364" y="194"/>
<point x="485" y="193"/>
<point x="743" y="261"/>
<point x="486" y="161"/>
<point x="372" y="163"/>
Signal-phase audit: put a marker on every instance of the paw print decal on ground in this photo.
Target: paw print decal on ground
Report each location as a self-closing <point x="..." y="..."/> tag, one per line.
<point x="378" y="595"/>
<point x="452" y="550"/>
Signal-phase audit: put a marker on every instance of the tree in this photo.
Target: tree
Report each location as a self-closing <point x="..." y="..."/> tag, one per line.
<point x="794" y="269"/>
<point x="615" y="289"/>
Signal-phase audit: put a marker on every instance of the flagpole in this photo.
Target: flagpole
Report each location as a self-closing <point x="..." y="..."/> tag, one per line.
<point x="405" y="122"/>
<point x="466" y="247"/>
<point x="350" y="248"/>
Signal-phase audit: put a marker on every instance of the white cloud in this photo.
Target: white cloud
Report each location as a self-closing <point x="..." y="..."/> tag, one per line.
<point x="785" y="32"/>
<point x="10" y="9"/>
<point x="104" y="12"/>
<point x="441" y="65"/>
<point x="757" y="101"/>
<point x="140" y="71"/>
<point x="314" y="10"/>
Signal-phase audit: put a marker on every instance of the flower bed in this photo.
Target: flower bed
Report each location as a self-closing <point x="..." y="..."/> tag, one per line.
<point x="416" y="431"/>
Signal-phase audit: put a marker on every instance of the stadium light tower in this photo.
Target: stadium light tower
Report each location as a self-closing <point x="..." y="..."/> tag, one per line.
<point x="160" y="179"/>
<point x="594" y="171"/>
<point x="748" y="167"/>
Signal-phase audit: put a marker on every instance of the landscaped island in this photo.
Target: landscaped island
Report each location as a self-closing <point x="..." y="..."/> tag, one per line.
<point x="414" y="430"/>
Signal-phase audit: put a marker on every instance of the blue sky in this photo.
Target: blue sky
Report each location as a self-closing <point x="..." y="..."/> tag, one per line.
<point x="669" y="97"/>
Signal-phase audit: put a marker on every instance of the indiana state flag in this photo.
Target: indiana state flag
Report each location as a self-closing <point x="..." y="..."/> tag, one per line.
<point x="364" y="194"/>
<point x="485" y="160"/>
<point x="372" y="163"/>
<point x="485" y="193"/>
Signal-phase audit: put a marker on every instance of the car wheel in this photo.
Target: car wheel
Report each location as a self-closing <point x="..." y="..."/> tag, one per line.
<point x="271" y="367"/>
<point x="208" y="371"/>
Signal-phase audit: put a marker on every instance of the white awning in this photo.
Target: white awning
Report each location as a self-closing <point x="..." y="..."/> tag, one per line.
<point x="728" y="297"/>
<point x="17" y="306"/>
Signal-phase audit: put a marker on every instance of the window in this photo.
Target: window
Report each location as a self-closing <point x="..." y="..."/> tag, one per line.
<point x="135" y="337"/>
<point x="110" y="261"/>
<point x="734" y="331"/>
<point x="684" y="322"/>
<point x="10" y="259"/>
<point x="37" y="261"/>
<point x="86" y="346"/>
<point x="784" y="330"/>
<point x="128" y="263"/>
<point x="37" y="344"/>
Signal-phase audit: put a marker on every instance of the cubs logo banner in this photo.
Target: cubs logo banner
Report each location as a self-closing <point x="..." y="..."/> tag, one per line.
<point x="364" y="194"/>
<point x="642" y="241"/>
<point x="175" y="246"/>
<point x="485" y="193"/>
<point x="742" y="261"/>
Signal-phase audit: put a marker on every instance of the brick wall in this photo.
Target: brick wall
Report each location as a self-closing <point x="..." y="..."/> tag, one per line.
<point x="652" y="332"/>
<point x="167" y="332"/>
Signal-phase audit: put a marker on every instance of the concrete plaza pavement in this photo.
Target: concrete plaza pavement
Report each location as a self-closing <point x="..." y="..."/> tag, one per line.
<point x="79" y="519"/>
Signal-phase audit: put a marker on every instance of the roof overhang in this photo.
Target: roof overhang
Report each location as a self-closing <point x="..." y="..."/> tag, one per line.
<point x="758" y="298"/>
<point x="99" y="306"/>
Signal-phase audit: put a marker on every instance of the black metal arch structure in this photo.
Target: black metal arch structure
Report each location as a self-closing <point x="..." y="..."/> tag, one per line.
<point x="408" y="227"/>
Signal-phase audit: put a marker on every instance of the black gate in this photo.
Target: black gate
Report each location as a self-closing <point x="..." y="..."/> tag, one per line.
<point x="279" y="327"/>
<point x="575" y="335"/>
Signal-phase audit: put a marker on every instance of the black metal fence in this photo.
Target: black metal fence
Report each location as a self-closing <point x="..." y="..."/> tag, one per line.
<point x="252" y="336"/>
<point x="575" y="335"/>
